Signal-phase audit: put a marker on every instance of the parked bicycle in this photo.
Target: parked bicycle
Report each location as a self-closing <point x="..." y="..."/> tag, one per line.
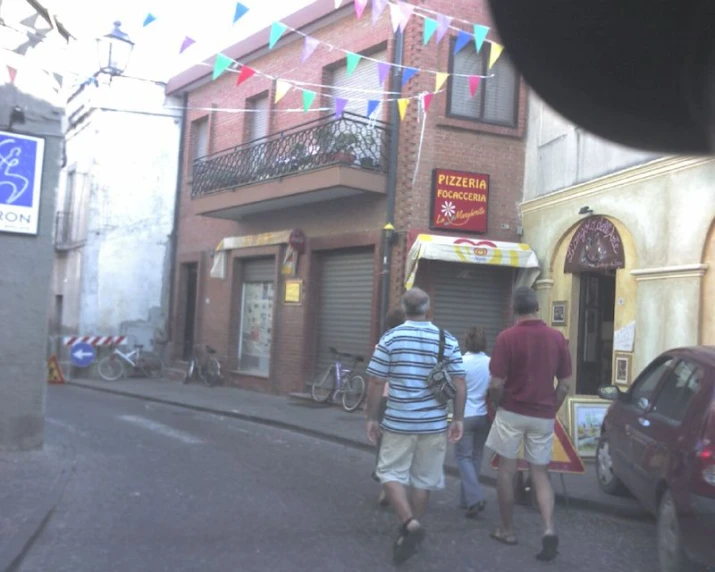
<point x="136" y="363"/>
<point x="203" y="366"/>
<point x="341" y="380"/>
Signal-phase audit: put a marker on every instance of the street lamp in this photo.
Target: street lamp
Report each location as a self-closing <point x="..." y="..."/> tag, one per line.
<point x="114" y="50"/>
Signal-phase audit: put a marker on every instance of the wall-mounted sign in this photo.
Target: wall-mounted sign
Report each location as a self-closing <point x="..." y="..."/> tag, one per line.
<point x="20" y="182"/>
<point x="293" y="291"/>
<point x="459" y="201"/>
<point x="596" y="245"/>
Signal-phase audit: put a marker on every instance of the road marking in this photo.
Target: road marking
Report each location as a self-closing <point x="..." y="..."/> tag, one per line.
<point x="161" y="429"/>
<point x="66" y="426"/>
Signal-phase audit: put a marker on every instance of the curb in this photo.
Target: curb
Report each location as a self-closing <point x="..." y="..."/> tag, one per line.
<point x="561" y="499"/>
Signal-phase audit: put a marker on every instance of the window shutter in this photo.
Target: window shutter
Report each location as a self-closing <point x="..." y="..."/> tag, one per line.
<point x="259" y="118"/>
<point x="500" y="92"/>
<point x="365" y="76"/>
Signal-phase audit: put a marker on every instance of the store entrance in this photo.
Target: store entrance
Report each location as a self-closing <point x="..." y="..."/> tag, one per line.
<point x="595" y="331"/>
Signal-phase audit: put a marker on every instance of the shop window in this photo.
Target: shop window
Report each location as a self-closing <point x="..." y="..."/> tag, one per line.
<point x="256" y="329"/>
<point x="496" y="100"/>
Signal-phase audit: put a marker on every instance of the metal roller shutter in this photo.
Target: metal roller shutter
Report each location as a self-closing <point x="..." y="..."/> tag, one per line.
<point x="259" y="270"/>
<point x="345" y="305"/>
<point x="365" y="77"/>
<point x="259" y="118"/>
<point x="471" y="295"/>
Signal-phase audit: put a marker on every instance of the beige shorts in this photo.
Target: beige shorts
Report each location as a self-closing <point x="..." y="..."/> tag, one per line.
<point x="509" y="430"/>
<point x="413" y="460"/>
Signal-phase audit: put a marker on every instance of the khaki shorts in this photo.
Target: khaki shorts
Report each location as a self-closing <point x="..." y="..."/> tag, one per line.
<point x="509" y="430"/>
<point x="413" y="460"/>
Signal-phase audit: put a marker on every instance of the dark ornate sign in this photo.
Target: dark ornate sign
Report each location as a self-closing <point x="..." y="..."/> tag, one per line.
<point x="596" y="245"/>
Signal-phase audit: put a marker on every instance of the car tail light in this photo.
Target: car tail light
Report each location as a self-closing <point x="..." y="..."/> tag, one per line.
<point x="707" y="464"/>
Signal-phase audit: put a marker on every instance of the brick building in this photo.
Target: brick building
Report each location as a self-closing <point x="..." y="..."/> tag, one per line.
<point x="265" y="187"/>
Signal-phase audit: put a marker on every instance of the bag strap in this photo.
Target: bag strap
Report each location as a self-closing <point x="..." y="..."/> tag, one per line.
<point x="441" y="346"/>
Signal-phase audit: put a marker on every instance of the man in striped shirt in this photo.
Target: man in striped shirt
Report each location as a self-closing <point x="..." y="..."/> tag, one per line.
<point x="415" y="427"/>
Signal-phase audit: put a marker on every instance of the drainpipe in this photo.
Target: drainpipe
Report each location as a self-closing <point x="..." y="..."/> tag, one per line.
<point x="389" y="228"/>
<point x="174" y="230"/>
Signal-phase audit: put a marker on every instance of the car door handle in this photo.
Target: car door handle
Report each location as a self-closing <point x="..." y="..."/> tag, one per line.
<point x="644" y="422"/>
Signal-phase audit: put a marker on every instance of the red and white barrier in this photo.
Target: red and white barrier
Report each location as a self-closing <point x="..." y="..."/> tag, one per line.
<point x="95" y="340"/>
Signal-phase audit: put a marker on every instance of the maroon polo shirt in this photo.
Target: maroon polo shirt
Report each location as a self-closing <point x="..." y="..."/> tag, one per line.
<point x="528" y="356"/>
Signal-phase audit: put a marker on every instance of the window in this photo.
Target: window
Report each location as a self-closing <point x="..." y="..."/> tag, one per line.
<point x="258" y="119"/>
<point x="496" y="99"/>
<point x="678" y="388"/>
<point x="647" y="382"/>
<point x="200" y="138"/>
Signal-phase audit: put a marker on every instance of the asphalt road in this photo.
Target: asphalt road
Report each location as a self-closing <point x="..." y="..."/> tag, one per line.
<point x="158" y="488"/>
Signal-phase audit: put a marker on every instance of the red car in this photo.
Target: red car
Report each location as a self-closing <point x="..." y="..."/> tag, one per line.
<point x="658" y="442"/>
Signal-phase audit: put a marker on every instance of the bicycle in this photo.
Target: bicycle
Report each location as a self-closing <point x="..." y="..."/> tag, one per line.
<point x="114" y="366"/>
<point x="340" y="379"/>
<point x="207" y="370"/>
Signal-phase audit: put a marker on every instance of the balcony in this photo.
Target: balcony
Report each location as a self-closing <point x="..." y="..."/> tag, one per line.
<point x="320" y="160"/>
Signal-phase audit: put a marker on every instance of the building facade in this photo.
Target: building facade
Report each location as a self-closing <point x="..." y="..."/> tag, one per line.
<point x="296" y="231"/>
<point x="625" y="241"/>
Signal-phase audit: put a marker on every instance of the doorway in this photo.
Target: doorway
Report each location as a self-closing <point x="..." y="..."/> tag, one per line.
<point x="191" y="281"/>
<point x="595" y="331"/>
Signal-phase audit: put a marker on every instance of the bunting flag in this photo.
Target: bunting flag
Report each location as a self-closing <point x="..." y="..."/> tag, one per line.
<point x="240" y="12"/>
<point x="494" y="53"/>
<point x="353" y="61"/>
<point x="474" y="81"/>
<point x="340" y="103"/>
<point x="427" y="100"/>
<point x="400" y="14"/>
<point x="308" y="99"/>
<point x="221" y="64"/>
<point x="383" y="68"/>
<point x="360" y="7"/>
<point x="282" y="87"/>
<point x="309" y="47"/>
<point x="186" y="44"/>
<point x="12" y="72"/>
<point x="149" y="19"/>
<point x="378" y="7"/>
<point x="430" y="29"/>
<point x="443" y="24"/>
<point x="439" y="80"/>
<point x="245" y="74"/>
<point x="277" y="30"/>
<point x="338" y="3"/>
<point x="480" y="34"/>
<point x="372" y="106"/>
<point x="402" y="104"/>
<point x="408" y="74"/>
<point x="462" y="40"/>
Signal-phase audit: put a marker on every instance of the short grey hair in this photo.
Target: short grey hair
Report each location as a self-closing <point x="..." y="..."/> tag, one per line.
<point x="415" y="302"/>
<point x="525" y="301"/>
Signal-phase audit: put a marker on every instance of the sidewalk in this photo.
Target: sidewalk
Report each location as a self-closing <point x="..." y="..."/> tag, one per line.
<point x="333" y="424"/>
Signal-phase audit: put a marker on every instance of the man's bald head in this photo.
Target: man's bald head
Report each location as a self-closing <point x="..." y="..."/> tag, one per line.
<point x="415" y="303"/>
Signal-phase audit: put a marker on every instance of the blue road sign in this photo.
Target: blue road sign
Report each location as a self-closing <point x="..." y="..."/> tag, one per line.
<point x="82" y="355"/>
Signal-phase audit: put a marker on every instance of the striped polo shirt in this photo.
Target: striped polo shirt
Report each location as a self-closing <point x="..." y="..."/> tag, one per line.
<point x="404" y="357"/>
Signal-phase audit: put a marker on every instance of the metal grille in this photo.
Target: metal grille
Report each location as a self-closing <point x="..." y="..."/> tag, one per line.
<point x="351" y="140"/>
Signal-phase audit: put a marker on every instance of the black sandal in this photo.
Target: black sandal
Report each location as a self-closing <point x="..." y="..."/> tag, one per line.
<point x="406" y="544"/>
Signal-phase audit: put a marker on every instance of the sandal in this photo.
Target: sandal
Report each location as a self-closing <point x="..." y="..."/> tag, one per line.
<point x="549" y="548"/>
<point x="406" y="544"/>
<point x="508" y="539"/>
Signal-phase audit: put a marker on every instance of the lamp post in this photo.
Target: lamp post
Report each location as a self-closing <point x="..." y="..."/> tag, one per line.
<point x="113" y="51"/>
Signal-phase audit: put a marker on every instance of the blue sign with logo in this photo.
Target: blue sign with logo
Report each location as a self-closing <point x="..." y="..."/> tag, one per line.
<point x="82" y="355"/>
<point x="21" y="159"/>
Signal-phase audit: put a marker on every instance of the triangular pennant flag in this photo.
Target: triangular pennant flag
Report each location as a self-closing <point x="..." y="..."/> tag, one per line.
<point x="308" y="98"/>
<point x="186" y="44"/>
<point x="221" y="64"/>
<point x="396" y="15"/>
<point x="427" y="100"/>
<point x="12" y="72"/>
<point x="149" y="19"/>
<point x="383" y="68"/>
<point x="474" y="81"/>
<point x="443" y="23"/>
<point x="277" y="30"/>
<point x="308" y="48"/>
<point x="282" y="87"/>
<point x="462" y="40"/>
<point x="494" y="53"/>
<point x="340" y="103"/>
<point x="439" y="80"/>
<point x="430" y="29"/>
<point x="480" y="34"/>
<point x="406" y="10"/>
<point x="402" y="104"/>
<point x="244" y="74"/>
<point x="372" y="105"/>
<point x="353" y="61"/>
<point x="378" y="7"/>
<point x="360" y="7"/>
<point x="240" y="12"/>
<point x="408" y="74"/>
<point x="338" y="3"/>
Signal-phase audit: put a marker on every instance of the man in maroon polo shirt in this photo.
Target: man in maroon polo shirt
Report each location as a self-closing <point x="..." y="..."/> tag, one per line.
<point x="525" y="360"/>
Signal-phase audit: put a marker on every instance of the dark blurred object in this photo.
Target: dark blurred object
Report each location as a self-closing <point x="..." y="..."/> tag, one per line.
<point x="637" y="72"/>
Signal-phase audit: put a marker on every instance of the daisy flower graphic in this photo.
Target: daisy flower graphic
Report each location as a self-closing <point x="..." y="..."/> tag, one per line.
<point x="448" y="210"/>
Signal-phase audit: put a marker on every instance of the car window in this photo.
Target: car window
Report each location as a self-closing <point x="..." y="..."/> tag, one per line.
<point x="647" y="382"/>
<point x="681" y="383"/>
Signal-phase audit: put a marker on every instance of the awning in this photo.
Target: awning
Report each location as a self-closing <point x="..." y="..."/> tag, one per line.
<point x="473" y="251"/>
<point x="218" y="269"/>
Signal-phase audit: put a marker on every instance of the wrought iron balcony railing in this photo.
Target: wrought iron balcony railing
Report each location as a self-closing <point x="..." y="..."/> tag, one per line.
<point x="351" y="140"/>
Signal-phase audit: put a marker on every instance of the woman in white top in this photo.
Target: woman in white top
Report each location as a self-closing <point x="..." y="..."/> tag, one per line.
<point x="476" y="424"/>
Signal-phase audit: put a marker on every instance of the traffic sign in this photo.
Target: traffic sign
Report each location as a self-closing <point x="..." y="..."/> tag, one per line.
<point x="564" y="458"/>
<point x="82" y="354"/>
<point x="54" y="372"/>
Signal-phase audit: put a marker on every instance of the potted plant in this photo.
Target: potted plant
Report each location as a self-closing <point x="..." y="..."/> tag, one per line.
<point x="344" y="148"/>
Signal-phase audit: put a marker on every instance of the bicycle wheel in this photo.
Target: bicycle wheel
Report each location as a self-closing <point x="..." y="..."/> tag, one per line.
<point x="213" y="372"/>
<point x="110" y="368"/>
<point x="320" y="391"/>
<point x="354" y="392"/>
<point x="190" y="369"/>
<point x="151" y="365"/>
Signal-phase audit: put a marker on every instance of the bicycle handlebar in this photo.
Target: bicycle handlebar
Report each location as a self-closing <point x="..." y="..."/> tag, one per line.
<point x="336" y="353"/>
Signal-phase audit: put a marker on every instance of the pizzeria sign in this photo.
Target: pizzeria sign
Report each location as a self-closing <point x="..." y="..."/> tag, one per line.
<point x="459" y="201"/>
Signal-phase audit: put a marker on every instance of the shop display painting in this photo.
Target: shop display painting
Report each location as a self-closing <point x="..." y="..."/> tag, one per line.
<point x="586" y="418"/>
<point x="559" y="311"/>
<point x="623" y="369"/>
<point x="256" y="325"/>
